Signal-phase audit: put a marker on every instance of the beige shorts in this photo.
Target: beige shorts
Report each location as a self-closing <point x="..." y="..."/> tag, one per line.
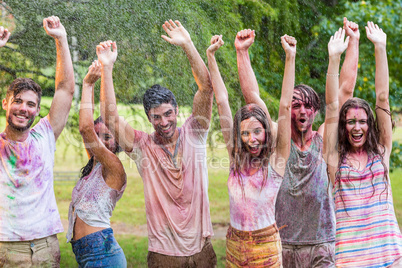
<point x="43" y="252"/>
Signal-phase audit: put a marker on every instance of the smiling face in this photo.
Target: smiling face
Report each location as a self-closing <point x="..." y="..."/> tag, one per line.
<point x="21" y="110"/>
<point x="164" y="120"/>
<point x="356" y="127"/>
<point x="252" y="135"/>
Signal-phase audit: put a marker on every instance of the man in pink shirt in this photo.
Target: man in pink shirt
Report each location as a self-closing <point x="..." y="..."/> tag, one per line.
<point x="29" y="219"/>
<point x="171" y="161"/>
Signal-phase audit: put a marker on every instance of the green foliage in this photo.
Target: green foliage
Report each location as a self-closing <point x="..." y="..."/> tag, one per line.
<point x="145" y="58"/>
<point x="387" y="14"/>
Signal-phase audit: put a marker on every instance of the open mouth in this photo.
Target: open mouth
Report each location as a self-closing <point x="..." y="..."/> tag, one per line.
<point x="357" y="137"/>
<point x="254" y="148"/>
<point x="302" y="120"/>
<point x="21" y="117"/>
<point x="166" y="129"/>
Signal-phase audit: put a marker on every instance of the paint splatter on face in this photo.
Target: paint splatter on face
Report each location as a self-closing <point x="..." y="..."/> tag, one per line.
<point x="302" y="112"/>
<point x="356" y="127"/>
<point x="21" y="110"/>
<point x="253" y="135"/>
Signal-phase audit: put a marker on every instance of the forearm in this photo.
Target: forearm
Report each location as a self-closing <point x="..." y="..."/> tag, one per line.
<point x="288" y="81"/>
<point x="247" y="79"/>
<point x="108" y="99"/>
<point x="200" y="71"/>
<point x="221" y="93"/>
<point x="86" y="108"/>
<point x="64" y="66"/>
<point x="348" y="75"/>
<point x="381" y="76"/>
<point x="332" y="81"/>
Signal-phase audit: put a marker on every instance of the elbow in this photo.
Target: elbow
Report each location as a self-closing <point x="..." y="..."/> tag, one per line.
<point x="85" y="128"/>
<point x="285" y="105"/>
<point x="382" y="98"/>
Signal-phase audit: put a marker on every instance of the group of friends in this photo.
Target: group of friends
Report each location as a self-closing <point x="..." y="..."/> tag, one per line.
<point x="328" y="190"/>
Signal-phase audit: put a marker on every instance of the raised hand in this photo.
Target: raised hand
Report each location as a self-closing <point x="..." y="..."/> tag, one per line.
<point x="216" y="43"/>
<point x="337" y="44"/>
<point x="351" y="29"/>
<point x="53" y="27"/>
<point x="375" y="34"/>
<point x="4" y="35"/>
<point x="106" y="55"/>
<point x="244" y="39"/>
<point x="94" y="73"/>
<point x="178" y="35"/>
<point x="289" y="44"/>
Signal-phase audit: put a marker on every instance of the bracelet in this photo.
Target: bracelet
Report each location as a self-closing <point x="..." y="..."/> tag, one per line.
<point x="334" y="75"/>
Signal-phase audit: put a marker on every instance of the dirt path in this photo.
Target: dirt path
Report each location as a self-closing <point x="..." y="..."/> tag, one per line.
<point x="141" y="230"/>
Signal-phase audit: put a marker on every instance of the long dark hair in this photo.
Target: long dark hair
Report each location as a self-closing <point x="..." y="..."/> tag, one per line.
<point x="86" y="170"/>
<point x="372" y="146"/>
<point x="240" y="154"/>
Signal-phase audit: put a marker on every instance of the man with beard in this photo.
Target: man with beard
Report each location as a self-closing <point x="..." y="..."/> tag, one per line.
<point x="171" y="160"/>
<point x="29" y="218"/>
<point x="304" y="205"/>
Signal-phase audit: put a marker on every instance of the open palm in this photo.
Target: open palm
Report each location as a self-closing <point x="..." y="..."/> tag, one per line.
<point x="375" y="34"/>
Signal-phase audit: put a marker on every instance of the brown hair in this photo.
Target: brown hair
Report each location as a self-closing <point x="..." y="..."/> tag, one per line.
<point x="240" y="154"/>
<point x="372" y="145"/>
<point x="24" y="84"/>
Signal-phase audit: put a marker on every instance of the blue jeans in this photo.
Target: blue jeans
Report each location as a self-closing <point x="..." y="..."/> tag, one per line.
<point x="99" y="249"/>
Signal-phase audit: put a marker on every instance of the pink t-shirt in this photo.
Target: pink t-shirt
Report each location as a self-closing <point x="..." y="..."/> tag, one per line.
<point x="28" y="207"/>
<point x="176" y="198"/>
<point x="256" y="209"/>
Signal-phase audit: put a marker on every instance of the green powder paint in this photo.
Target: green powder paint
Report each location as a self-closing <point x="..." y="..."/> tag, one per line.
<point x="11" y="197"/>
<point x="12" y="160"/>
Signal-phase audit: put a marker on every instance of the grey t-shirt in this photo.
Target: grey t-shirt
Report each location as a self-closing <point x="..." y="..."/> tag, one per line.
<point x="305" y="203"/>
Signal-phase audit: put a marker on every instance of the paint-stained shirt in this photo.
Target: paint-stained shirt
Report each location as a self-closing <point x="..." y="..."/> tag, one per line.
<point x="175" y="190"/>
<point x="28" y="207"/>
<point x="253" y="206"/>
<point x="93" y="201"/>
<point x="367" y="232"/>
<point x="305" y="206"/>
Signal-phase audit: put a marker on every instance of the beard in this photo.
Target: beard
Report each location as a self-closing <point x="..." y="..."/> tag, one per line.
<point x="21" y="128"/>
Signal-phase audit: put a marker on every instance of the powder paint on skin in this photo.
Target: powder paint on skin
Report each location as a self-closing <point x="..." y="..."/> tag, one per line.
<point x="11" y="197"/>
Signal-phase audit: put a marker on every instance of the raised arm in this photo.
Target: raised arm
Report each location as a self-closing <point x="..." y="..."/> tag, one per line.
<point x="347" y="79"/>
<point x="122" y="131"/>
<point x="202" y="103"/>
<point x="285" y="104"/>
<point x="64" y="84"/>
<point x="248" y="82"/>
<point x="376" y="35"/>
<point x="4" y="36"/>
<point x="336" y="46"/>
<point x="113" y="171"/>
<point x="221" y="93"/>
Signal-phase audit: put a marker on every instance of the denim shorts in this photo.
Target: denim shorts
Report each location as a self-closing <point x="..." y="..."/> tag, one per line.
<point x="99" y="249"/>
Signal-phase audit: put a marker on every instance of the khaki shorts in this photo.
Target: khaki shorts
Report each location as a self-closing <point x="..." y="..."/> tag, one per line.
<point x="43" y="252"/>
<point x="309" y="256"/>
<point x="205" y="259"/>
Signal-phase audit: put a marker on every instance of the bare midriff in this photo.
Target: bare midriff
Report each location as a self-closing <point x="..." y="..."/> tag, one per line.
<point x="82" y="229"/>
